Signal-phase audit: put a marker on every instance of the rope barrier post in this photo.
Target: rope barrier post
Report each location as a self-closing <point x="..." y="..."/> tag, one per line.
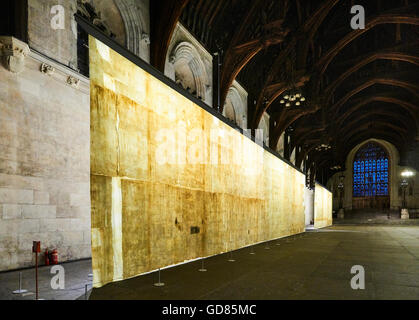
<point x="231" y="257"/>
<point x="252" y="251"/>
<point x="231" y="246"/>
<point x="85" y="292"/>
<point x="202" y="266"/>
<point x="20" y="286"/>
<point x="159" y="284"/>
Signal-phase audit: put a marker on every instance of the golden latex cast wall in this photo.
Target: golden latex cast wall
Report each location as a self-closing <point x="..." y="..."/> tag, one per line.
<point x="161" y="165"/>
<point x="322" y="207"/>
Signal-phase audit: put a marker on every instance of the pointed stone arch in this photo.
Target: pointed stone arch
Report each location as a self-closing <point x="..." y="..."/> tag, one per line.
<point x="236" y="102"/>
<point x="190" y="71"/>
<point x="136" y="28"/>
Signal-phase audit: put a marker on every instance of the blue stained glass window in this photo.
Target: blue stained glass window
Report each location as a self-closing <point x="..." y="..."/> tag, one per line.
<point x="371" y="167"/>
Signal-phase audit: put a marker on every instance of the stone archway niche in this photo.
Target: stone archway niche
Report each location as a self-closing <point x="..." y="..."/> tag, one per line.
<point x="371" y="173"/>
<point x="394" y="169"/>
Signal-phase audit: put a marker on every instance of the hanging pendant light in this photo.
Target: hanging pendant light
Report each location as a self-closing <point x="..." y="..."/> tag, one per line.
<point x="293" y="97"/>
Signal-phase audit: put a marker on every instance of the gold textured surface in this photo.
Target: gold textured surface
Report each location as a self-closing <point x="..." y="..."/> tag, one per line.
<point x="322" y="207"/>
<point x="158" y="169"/>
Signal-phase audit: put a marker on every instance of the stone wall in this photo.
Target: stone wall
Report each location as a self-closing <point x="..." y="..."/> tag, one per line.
<point x="45" y="130"/>
<point x="264" y="126"/>
<point x="280" y="145"/>
<point x="58" y="44"/>
<point x="129" y="20"/>
<point x="44" y="160"/>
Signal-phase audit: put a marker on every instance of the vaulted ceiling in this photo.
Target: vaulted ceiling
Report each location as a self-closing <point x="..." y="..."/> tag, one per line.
<point x="359" y="84"/>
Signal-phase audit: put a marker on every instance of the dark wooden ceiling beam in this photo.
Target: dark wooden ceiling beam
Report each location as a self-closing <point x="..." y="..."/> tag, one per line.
<point x="165" y="15"/>
<point x="411" y="108"/>
<point x="241" y="50"/>
<point x="233" y="61"/>
<point x="367" y="122"/>
<point x="383" y="133"/>
<point x="334" y="51"/>
<point x="394" y="56"/>
<point x="305" y="44"/>
<point x="412" y="88"/>
<point x="325" y="61"/>
<point x="288" y="117"/>
<point x="311" y="25"/>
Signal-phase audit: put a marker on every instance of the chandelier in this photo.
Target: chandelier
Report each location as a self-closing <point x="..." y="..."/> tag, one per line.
<point x="323" y="147"/>
<point x="293" y="98"/>
<point x="324" y="143"/>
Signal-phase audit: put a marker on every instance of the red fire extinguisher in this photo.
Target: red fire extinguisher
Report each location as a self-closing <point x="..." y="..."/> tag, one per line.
<point x="46" y="257"/>
<point x="54" y="257"/>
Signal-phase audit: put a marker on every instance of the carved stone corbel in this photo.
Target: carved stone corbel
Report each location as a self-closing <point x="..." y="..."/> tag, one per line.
<point x="47" y="69"/>
<point x="172" y="59"/>
<point x="13" y="53"/>
<point x="145" y="38"/>
<point x="72" y="81"/>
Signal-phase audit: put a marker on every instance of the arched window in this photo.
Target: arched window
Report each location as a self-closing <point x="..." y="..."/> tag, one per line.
<point x="371" y="171"/>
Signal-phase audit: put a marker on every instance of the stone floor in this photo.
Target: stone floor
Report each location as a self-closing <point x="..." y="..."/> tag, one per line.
<point x="316" y="265"/>
<point x="76" y="279"/>
<point x="375" y="217"/>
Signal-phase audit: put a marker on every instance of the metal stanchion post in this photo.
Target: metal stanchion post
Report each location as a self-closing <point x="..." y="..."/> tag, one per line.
<point x="85" y="292"/>
<point x="20" y="286"/>
<point x="202" y="266"/>
<point x="231" y="257"/>
<point x="252" y="251"/>
<point x="159" y="284"/>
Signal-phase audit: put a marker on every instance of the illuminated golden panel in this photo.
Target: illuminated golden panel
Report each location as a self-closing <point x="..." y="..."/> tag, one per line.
<point x="322" y="207"/>
<point x="161" y="164"/>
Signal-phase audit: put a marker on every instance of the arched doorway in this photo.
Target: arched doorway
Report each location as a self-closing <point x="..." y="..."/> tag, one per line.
<point x="371" y="174"/>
